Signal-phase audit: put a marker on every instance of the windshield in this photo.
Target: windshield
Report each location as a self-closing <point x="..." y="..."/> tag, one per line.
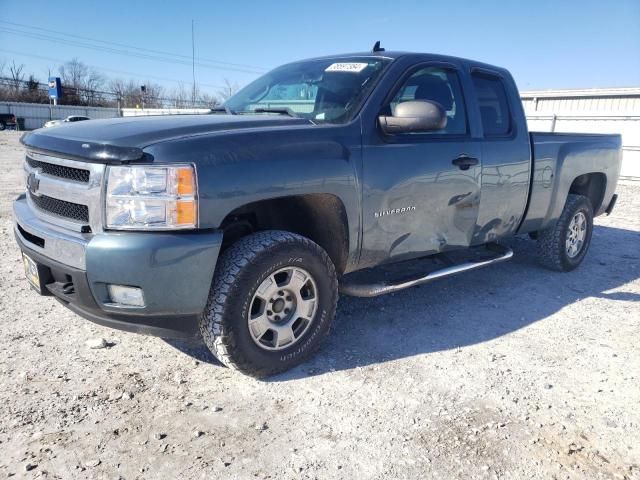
<point x="327" y="90"/>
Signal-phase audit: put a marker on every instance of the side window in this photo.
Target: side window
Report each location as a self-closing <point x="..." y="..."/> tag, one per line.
<point x="437" y="85"/>
<point x="494" y="108"/>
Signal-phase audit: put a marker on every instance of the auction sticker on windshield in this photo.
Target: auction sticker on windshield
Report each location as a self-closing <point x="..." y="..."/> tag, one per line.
<point x="346" y="67"/>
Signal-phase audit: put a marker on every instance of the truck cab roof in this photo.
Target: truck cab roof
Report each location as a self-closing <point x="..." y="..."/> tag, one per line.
<point x="397" y="54"/>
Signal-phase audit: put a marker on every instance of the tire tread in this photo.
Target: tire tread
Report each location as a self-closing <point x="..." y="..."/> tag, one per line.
<point x="550" y="242"/>
<point x="216" y="330"/>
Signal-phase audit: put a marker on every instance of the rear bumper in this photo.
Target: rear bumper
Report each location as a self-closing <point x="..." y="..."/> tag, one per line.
<point x="174" y="270"/>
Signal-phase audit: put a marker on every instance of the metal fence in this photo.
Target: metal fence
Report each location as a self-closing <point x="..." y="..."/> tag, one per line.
<point x="36" y="114"/>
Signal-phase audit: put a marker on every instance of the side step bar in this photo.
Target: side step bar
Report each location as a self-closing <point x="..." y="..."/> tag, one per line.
<point x="354" y="289"/>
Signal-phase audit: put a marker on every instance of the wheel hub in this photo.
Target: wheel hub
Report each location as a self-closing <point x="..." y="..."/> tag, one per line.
<point x="278" y="305"/>
<point x="576" y="234"/>
<point x="282" y="308"/>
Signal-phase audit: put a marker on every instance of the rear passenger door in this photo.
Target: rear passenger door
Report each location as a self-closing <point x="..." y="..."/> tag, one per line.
<point x="420" y="194"/>
<point x="506" y="155"/>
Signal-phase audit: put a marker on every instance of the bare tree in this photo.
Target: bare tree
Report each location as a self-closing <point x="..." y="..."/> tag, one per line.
<point x="229" y="90"/>
<point x="153" y="95"/>
<point x="32" y="91"/>
<point x="131" y="95"/>
<point x="179" y="97"/>
<point x="92" y="87"/>
<point x="16" y="72"/>
<point x="3" y="89"/>
<point x="119" y="88"/>
<point x="207" y="100"/>
<point x="82" y="83"/>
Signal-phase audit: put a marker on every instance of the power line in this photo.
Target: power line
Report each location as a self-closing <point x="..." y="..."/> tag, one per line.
<point x="160" y="52"/>
<point x="49" y="38"/>
<point x="121" y="72"/>
<point x="131" y="46"/>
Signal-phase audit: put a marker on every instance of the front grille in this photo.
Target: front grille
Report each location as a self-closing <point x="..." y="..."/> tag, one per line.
<point x="62" y="171"/>
<point x="53" y="206"/>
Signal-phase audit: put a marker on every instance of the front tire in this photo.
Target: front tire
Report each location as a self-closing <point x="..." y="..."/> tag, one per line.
<point x="272" y="301"/>
<point x="563" y="247"/>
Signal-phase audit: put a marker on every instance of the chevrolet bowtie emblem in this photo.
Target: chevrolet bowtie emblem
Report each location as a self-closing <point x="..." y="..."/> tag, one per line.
<point x="33" y="183"/>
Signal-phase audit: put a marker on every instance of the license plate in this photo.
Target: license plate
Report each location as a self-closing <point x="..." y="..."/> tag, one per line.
<point x="31" y="271"/>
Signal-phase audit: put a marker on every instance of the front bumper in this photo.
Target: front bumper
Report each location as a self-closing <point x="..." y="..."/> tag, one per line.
<point x="174" y="270"/>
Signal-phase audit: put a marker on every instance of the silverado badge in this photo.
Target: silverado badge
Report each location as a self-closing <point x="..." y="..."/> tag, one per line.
<point x="394" y="211"/>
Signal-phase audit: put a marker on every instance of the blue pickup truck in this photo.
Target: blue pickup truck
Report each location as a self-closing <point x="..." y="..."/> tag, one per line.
<point x="242" y="227"/>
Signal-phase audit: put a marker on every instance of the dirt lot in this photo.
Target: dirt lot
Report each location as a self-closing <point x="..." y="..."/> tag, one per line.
<point x="508" y="372"/>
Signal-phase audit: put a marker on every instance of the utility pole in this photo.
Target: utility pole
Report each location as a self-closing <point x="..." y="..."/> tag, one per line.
<point x="193" y="66"/>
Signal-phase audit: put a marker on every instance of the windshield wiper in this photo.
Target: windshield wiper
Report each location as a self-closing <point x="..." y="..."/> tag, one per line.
<point x="280" y="110"/>
<point x="224" y="109"/>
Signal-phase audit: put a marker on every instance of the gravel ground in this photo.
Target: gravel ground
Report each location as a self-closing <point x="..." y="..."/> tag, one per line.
<point x="508" y="372"/>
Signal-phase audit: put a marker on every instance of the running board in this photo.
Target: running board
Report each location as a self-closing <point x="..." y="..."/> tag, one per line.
<point x="374" y="289"/>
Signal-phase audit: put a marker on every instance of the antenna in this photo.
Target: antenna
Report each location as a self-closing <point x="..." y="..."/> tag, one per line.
<point x="377" y="47"/>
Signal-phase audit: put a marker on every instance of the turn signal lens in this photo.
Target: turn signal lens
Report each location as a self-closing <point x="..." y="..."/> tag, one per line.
<point x="185" y="181"/>
<point x="185" y="212"/>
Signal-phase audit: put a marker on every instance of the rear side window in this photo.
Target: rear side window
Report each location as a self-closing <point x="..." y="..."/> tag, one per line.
<point x="494" y="108"/>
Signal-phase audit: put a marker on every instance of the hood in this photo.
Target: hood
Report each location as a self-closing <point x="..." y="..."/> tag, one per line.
<point x="117" y="140"/>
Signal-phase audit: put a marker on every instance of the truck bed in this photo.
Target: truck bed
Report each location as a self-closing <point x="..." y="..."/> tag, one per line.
<point x="558" y="160"/>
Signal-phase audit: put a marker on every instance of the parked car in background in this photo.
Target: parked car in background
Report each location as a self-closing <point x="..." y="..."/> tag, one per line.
<point x="70" y="118"/>
<point x="7" y="120"/>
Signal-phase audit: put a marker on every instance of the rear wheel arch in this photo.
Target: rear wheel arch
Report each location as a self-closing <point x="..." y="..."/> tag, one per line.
<point x="319" y="217"/>
<point x="591" y="185"/>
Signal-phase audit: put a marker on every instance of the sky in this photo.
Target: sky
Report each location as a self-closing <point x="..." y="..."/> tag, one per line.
<point x="545" y="44"/>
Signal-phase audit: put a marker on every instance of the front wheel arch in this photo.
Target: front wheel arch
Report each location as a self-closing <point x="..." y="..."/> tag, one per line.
<point x="320" y="217"/>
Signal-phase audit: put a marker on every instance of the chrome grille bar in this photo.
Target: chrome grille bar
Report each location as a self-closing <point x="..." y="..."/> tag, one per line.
<point x="47" y="182"/>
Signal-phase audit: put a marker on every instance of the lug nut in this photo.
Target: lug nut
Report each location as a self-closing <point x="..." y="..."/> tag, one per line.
<point x="269" y="312"/>
<point x="281" y="293"/>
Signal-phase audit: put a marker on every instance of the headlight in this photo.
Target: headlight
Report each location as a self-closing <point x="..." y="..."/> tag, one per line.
<point x="151" y="197"/>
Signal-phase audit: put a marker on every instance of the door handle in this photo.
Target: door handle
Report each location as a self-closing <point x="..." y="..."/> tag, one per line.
<point x="464" y="162"/>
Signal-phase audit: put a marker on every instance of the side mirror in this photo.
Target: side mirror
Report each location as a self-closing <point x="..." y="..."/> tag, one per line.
<point x="414" y="116"/>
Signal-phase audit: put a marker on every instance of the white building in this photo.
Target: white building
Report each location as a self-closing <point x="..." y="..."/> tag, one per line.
<point x="593" y="110"/>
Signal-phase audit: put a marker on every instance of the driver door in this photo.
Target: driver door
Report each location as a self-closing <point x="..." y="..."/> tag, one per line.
<point x="421" y="191"/>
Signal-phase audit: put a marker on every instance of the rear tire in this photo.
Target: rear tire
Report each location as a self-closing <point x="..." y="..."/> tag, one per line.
<point x="564" y="246"/>
<point x="272" y="301"/>
<point x="2" y="126"/>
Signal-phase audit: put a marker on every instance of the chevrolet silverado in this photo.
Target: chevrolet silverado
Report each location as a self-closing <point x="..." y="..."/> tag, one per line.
<point x="242" y="226"/>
